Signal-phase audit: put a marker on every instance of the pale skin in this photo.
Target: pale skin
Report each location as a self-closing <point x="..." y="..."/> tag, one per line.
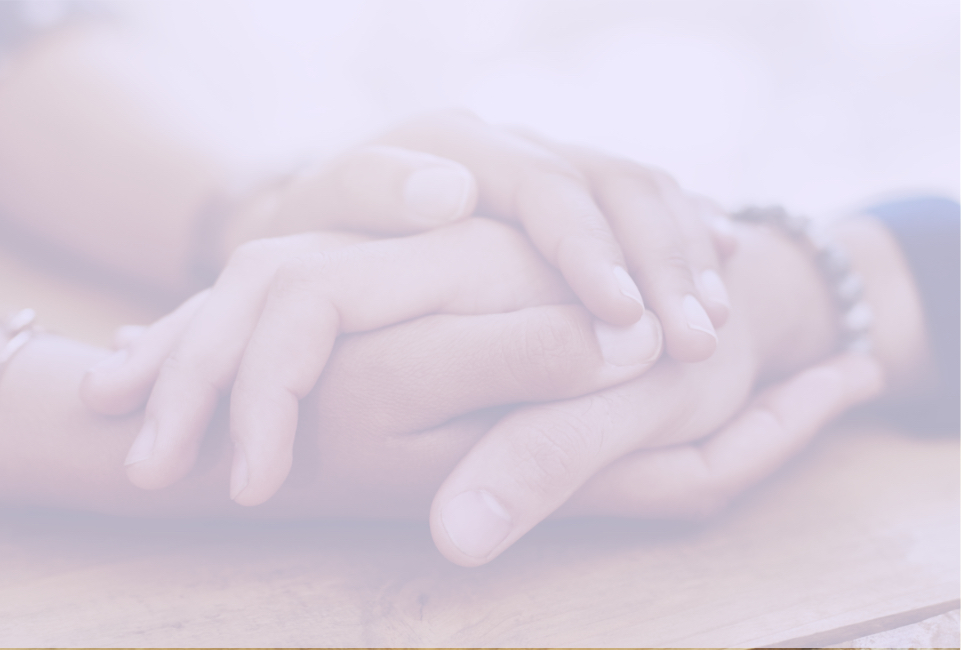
<point x="574" y="203"/>
<point x="269" y="324"/>
<point x="668" y="256"/>
<point x="138" y="195"/>
<point x="679" y="479"/>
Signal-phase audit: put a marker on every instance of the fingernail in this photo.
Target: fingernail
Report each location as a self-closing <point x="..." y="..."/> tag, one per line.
<point x="111" y="362"/>
<point x="712" y="287"/>
<point x="476" y="522"/>
<point x="438" y="194"/>
<point x="143" y="446"/>
<point x="626" y="284"/>
<point x="238" y="472"/>
<point x="632" y="345"/>
<point x="697" y="318"/>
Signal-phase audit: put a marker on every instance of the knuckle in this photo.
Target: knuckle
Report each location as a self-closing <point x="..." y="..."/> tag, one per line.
<point x="254" y="254"/>
<point x="551" y="352"/>
<point x="544" y="168"/>
<point x="554" y="454"/>
<point x="628" y="167"/>
<point x="648" y="180"/>
<point x="549" y="459"/>
<point x="664" y="181"/>
<point x="671" y="263"/>
<point x="526" y="133"/>
<point x="674" y="258"/>
<point x="304" y="274"/>
<point x="184" y="370"/>
<point x="590" y="239"/>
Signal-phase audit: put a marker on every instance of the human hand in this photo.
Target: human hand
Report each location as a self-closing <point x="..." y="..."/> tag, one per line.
<point x="390" y="461"/>
<point x="536" y="457"/>
<point x="603" y="221"/>
<point x="698" y="480"/>
<point x="593" y="216"/>
<point x="374" y="189"/>
<point x="268" y="326"/>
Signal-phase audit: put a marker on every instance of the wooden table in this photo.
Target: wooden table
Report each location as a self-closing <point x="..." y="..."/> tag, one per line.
<point x="858" y="535"/>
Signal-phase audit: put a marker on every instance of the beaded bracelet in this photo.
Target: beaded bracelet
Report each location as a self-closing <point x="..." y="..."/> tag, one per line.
<point x="834" y="264"/>
<point x="18" y="330"/>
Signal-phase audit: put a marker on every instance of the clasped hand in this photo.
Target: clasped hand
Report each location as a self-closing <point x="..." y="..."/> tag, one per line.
<point x="267" y="329"/>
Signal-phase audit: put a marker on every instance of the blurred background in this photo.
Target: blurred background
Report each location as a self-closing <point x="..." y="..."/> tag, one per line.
<point x="818" y="104"/>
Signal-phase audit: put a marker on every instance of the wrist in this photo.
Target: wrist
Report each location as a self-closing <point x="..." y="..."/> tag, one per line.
<point x="898" y="334"/>
<point x="791" y="314"/>
<point x="795" y="320"/>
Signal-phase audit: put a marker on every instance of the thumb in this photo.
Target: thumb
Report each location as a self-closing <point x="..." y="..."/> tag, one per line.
<point x="699" y="480"/>
<point x="376" y="189"/>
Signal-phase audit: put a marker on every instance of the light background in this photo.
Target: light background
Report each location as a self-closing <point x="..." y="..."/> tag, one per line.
<point x="818" y="104"/>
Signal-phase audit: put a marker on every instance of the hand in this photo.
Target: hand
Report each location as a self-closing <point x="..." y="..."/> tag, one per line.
<point x="374" y="189"/>
<point x="699" y="480"/>
<point x="536" y="457"/>
<point x="601" y="220"/>
<point x="268" y="326"/>
<point x="593" y="216"/>
<point x="56" y="453"/>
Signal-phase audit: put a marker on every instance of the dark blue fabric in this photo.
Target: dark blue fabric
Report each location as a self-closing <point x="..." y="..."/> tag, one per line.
<point x="929" y="232"/>
<point x="13" y="29"/>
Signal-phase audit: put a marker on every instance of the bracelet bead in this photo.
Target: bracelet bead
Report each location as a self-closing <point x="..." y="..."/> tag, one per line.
<point x="845" y="284"/>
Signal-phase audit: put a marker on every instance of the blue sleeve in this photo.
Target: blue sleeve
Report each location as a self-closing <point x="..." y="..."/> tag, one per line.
<point x="929" y="232"/>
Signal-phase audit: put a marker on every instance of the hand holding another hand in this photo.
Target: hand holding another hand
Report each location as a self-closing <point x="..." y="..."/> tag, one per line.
<point x="268" y="326"/>
<point x="400" y="408"/>
<point x="608" y="224"/>
<point x="270" y="322"/>
<point x="681" y="440"/>
<point x="503" y="329"/>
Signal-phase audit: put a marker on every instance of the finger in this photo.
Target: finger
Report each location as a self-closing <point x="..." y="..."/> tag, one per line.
<point x="206" y="359"/>
<point x="700" y="479"/>
<point x="467" y="363"/>
<point x="669" y="250"/>
<point x="127" y="334"/>
<point x="537" y="457"/>
<point x="522" y="181"/>
<point x="283" y="360"/>
<point x="702" y="251"/>
<point x="121" y="383"/>
<point x="718" y="222"/>
<point x="377" y="189"/>
<point x="364" y="288"/>
<point x="667" y="245"/>
<point x="203" y="363"/>
<point x="528" y="465"/>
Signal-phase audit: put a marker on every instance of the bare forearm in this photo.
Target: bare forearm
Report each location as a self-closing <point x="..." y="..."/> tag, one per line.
<point x="779" y="286"/>
<point x="55" y="452"/>
<point x="95" y="161"/>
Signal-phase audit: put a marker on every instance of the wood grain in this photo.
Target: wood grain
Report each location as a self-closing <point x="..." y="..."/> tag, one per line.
<point x="864" y="526"/>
